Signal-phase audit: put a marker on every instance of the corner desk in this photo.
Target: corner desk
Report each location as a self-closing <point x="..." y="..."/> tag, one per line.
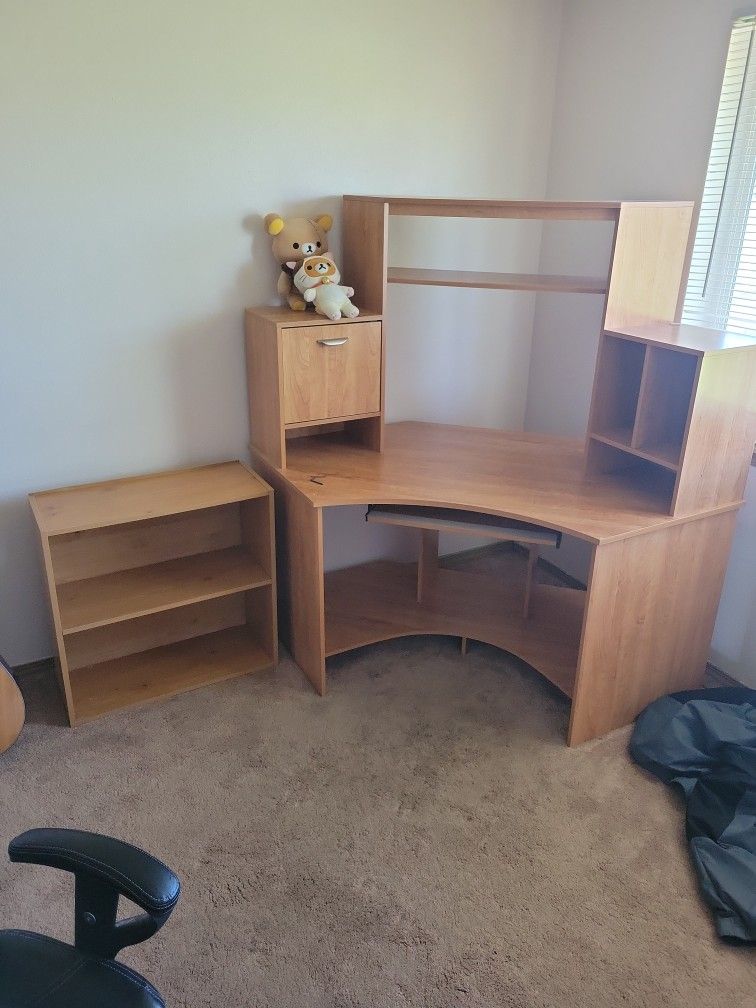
<point x="654" y="487"/>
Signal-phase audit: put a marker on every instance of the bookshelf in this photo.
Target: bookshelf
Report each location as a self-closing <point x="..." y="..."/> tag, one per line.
<point x="158" y="584"/>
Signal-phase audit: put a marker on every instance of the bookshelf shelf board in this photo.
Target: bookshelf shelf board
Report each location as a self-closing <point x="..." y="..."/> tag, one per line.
<point x="126" y="594"/>
<point x="497" y="281"/>
<point x="166" y="671"/>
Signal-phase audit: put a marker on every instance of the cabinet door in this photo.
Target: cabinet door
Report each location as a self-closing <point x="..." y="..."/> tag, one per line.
<point x="331" y="372"/>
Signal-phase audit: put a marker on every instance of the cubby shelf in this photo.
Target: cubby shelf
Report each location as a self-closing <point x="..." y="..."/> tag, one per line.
<point x="664" y="455"/>
<point x="126" y="594"/>
<point x="497" y="281"/>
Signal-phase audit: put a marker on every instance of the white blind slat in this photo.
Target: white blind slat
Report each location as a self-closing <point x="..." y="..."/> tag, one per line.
<point x="721" y="290"/>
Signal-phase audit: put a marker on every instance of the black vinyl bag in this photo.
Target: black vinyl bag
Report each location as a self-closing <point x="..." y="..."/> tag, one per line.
<point x="704" y="742"/>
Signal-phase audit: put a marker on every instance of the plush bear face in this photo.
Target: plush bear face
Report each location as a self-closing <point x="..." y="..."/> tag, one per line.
<point x="297" y="237"/>
<point x="315" y="270"/>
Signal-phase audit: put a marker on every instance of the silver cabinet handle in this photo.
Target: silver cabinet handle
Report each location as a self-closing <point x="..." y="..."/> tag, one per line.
<point x="336" y="341"/>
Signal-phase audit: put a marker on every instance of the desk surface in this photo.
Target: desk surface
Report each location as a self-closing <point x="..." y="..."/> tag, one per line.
<point x="531" y="477"/>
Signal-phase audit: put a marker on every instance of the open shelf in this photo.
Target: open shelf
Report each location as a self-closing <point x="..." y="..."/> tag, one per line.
<point x="125" y="594"/>
<point x="635" y="470"/>
<point x="663" y="455"/>
<point x="377" y="601"/>
<point x="166" y="671"/>
<point x="497" y="281"/>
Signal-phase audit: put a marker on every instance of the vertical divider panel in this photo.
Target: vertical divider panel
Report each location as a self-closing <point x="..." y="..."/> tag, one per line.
<point x="365" y="252"/>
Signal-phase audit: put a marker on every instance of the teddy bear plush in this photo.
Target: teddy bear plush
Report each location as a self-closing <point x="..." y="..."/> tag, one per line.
<point x="294" y="239"/>
<point x="317" y="279"/>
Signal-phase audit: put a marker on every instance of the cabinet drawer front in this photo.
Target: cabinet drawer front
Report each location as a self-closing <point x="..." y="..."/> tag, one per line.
<point x="331" y="379"/>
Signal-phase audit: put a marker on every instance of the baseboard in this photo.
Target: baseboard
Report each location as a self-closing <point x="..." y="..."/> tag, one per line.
<point x="31" y="668"/>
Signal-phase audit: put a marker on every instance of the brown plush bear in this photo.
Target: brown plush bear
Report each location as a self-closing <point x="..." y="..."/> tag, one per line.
<point x="293" y="240"/>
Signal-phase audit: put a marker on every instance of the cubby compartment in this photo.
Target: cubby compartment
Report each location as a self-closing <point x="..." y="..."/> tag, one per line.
<point x="159" y="584"/>
<point x="641" y="476"/>
<point x="665" y="403"/>
<point x="617" y="389"/>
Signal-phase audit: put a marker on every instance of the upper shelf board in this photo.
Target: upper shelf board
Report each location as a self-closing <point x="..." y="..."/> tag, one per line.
<point x="517" y="209"/>
<point x="680" y="336"/>
<point x="497" y="281"/>
<point x="116" y="502"/>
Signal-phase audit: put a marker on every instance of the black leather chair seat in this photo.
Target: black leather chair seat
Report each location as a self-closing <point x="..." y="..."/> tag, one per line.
<point x="39" y="971"/>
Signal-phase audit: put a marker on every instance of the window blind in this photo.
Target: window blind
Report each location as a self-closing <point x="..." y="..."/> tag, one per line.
<point x="721" y="290"/>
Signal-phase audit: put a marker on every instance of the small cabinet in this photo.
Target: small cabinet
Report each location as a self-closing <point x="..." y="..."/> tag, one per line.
<point x="310" y="376"/>
<point x="331" y="373"/>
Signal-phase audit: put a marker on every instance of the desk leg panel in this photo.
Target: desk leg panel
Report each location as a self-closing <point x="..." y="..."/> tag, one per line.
<point x="299" y="535"/>
<point x="652" y="603"/>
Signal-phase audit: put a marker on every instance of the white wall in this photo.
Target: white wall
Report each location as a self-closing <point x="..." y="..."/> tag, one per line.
<point x="141" y="142"/>
<point x="637" y="92"/>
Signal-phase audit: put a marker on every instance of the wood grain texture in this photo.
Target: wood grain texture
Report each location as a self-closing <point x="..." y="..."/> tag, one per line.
<point x="683" y="337"/>
<point x="93" y="553"/>
<point x="322" y="382"/>
<point x="650" y="255"/>
<point x="155" y="579"/>
<point x="365" y="250"/>
<point x="652" y="602"/>
<point x="12" y="710"/>
<point x="299" y="548"/>
<point x="483" y="208"/>
<point x="265" y="384"/>
<point x="285" y="318"/>
<point x="497" y="281"/>
<point x="377" y="601"/>
<point x="166" y="671"/>
<point x="534" y="478"/>
<point x="427" y="562"/>
<point x="114" y="502"/>
<point x="139" y="591"/>
<point x="721" y="431"/>
<point x="171" y="626"/>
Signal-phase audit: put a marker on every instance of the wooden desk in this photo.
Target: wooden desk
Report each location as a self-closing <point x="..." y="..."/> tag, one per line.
<point x="642" y="629"/>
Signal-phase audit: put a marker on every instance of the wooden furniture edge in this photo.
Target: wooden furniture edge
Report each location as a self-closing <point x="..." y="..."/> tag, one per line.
<point x="232" y="499"/>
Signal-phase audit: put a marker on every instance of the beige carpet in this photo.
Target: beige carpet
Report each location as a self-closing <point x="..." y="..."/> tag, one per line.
<point x="420" y="837"/>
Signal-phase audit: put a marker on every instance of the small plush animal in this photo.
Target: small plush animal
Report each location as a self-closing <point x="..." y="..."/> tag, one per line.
<point x="317" y="279"/>
<point x="294" y="238"/>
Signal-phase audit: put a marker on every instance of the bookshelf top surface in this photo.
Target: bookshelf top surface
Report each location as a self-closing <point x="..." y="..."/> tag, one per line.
<point x="682" y="336"/>
<point x="135" y="498"/>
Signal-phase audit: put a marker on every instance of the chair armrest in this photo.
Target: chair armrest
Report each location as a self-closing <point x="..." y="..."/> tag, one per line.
<point x="132" y="872"/>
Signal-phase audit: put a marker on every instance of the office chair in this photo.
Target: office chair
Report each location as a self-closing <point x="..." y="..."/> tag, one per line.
<point x="46" y="973"/>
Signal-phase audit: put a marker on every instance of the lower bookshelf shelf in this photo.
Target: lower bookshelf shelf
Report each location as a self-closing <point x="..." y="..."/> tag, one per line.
<point x="377" y="601"/>
<point x="166" y="671"/>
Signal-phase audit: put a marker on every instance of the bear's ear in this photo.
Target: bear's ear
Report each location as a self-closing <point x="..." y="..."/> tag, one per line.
<point x="292" y="265"/>
<point x="274" y="224"/>
<point x="324" y="222"/>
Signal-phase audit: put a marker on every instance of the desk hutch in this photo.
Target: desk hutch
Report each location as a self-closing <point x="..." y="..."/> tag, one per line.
<point x="654" y="488"/>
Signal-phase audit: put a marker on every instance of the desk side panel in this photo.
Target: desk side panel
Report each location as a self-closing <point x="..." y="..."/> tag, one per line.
<point x="649" y="619"/>
<point x="721" y="433"/>
<point x="264" y="387"/>
<point x="299" y="552"/>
